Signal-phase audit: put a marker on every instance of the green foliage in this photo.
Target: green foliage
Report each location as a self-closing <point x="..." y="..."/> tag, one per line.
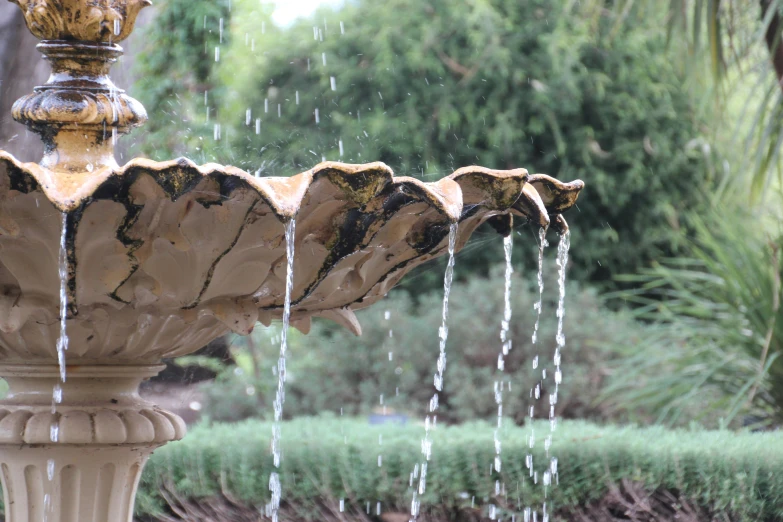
<point x="326" y="459"/>
<point x="731" y="51"/>
<point x="431" y="86"/>
<point x="719" y="333"/>
<point x="332" y="370"/>
<point x="176" y="73"/>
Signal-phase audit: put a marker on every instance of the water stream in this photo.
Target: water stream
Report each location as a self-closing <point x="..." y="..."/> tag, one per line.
<point x="389" y="344"/>
<point x="562" y="264"/>
<point x="535" y="391"/>
<point x="62" y="341"/>
<point x="62" y="346"/>
<point x="505" y="349"/>
<point x="275" y="487"/>
<point x="542" y="244"/>
<point x="550" y="475"/>
<point x="420" y="471"/>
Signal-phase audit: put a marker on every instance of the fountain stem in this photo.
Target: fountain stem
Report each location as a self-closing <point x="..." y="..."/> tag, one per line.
<point x="106" y="433"/>
<point x="79" y="112"/>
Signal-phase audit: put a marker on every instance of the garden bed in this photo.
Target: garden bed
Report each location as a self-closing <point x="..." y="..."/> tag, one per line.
<point x="604" y="472"/>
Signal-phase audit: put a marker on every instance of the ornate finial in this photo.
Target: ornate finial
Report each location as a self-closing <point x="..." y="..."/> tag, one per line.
<point x="79" y="113"/>
<point x="103" y="21"/>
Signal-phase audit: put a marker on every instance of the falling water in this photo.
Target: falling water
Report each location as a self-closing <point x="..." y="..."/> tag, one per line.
<point x="505" y="348"/>
<point x="62" y="341"/>
<point x="62" y="346"/>
<point x="535" y="392"/>
<point x="562" y="262"/>
<point x="274" y="479"/>
<point x="550" y="474"/>
<point x="429" y="421"/>
<point x="542" y="244"/>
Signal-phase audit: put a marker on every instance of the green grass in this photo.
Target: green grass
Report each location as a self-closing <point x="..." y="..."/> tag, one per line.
<point x="325" y="459"/>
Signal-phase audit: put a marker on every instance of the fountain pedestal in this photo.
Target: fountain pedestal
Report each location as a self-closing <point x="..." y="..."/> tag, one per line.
<point x="104" y="433"/>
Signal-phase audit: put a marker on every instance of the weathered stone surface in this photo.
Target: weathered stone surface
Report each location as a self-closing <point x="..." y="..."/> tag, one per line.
<point x="164" y="257"/>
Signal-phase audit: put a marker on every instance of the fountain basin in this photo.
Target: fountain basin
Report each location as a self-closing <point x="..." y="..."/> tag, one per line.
<point x="165" y="257"/>
<point x="155" y="259"/>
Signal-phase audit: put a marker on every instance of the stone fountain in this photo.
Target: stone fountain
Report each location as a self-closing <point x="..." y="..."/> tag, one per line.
<point x="161" y="258"/>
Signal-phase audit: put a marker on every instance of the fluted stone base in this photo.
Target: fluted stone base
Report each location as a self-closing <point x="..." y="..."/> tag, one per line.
<point x="88" y="484"/>
<point x="103" y="432"/>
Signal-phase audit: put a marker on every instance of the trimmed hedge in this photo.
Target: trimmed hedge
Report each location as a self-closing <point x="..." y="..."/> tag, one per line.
<point x="736" y="475"/>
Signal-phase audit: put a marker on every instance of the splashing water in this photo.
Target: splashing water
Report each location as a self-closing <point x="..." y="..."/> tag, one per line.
<point x="505" y="348"/>
<point x="275" y="487"/>
<point x="429" y="421"/>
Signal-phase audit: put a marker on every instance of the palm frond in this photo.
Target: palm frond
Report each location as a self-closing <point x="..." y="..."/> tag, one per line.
<point x="715" y="334"/>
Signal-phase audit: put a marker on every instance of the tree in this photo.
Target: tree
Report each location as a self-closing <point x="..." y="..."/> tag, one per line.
<point x="728" y="40"/>
<point x="502" y="84"/>
<point x="176" y="75"/>
<point x="431" y="86"/>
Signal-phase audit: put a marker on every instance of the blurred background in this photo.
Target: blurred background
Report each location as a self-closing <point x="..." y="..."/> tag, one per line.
<point x="669" y="111"/>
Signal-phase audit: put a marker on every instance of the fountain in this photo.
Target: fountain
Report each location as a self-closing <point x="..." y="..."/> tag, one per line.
<point x="157" y="259"/>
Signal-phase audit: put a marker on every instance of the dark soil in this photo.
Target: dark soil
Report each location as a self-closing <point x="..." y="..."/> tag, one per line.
<point x="626" y="502"/>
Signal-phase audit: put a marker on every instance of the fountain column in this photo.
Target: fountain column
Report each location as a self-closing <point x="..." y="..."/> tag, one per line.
<point x="79" y="112"/>
<point x="81" y="459"/>
<point x="104" y="434"/>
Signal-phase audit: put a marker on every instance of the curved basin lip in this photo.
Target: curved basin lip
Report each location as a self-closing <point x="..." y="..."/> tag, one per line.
<point x="282" y="194"/>
<point x="470" y="195"/>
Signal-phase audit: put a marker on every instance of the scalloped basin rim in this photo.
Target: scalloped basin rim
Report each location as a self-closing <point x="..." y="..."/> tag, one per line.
<point x="68" y="191"/>
<point x="164" y="256"/>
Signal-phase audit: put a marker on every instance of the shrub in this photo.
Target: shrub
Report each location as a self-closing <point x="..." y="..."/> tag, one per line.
<point x="332" y="370"/>
<point x="736" y="476"/>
